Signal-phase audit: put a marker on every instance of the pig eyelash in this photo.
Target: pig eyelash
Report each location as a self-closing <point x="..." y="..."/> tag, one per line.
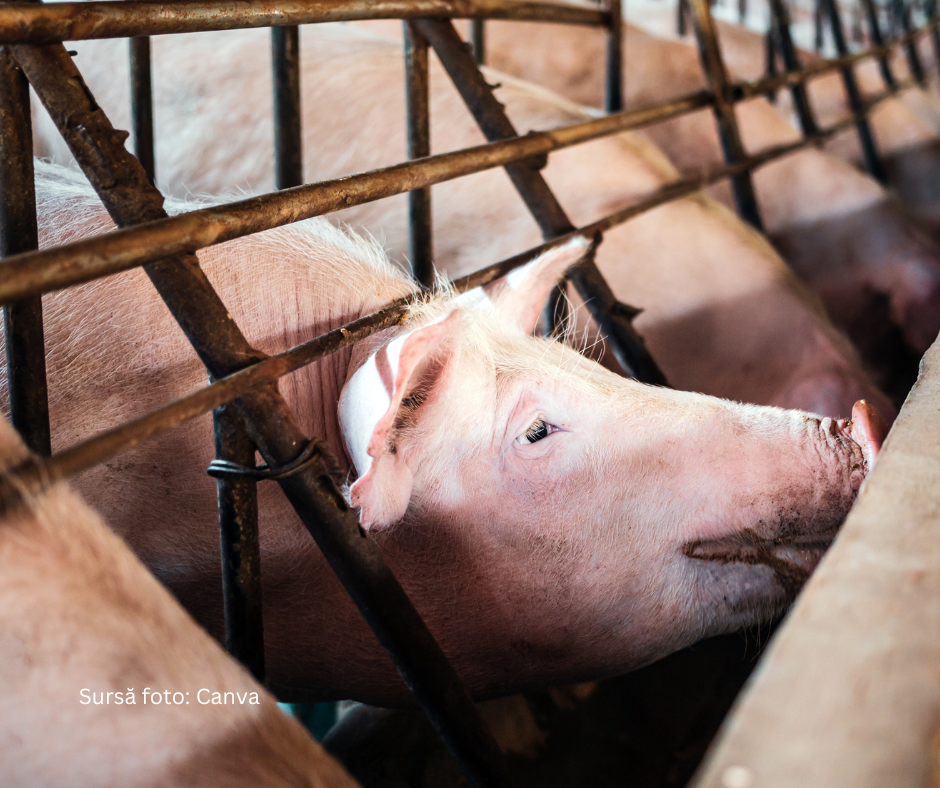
<point x="539" y="430"/>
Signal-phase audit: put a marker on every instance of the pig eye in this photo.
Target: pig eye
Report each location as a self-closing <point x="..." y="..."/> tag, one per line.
<point x="539" y="430"/>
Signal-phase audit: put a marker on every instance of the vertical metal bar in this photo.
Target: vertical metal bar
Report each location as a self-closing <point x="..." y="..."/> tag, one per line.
<point x="770" y="60"/>
<point x="122" y="185"/>
<point x="22" y="321"/>
<point x="742" y="11"/>
<point x="713" y="64"/>
<point x="867" y="140"/>
<point x="478" y="40"/>
<point x="914" y="62"/>
<point x="682" y="11"/>
<point x="818" y="17"/>
<point x="780" y="28"/>
<point x="239" y="545"/>
<point x="934" y="33"/>
<point x="613" y="84"/>
<point x="142" y="104"/>
<point x="878" y="40"/>
<point x="612" y="317"/>
<point x="420" y="249"/>
<point x="288" y="141"/>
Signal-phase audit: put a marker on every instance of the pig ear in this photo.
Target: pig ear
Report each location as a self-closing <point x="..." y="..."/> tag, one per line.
<point x="368" y="406"/>
<point x="520" y="296"/>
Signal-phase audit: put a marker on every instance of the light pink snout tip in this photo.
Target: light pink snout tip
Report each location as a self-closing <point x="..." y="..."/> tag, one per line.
<point x="868" y="429"/>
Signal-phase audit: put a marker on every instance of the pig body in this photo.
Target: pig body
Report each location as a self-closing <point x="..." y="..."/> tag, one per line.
<point x="489" y="465"/>
<point x="722" y="314"/>
<point x="90" y="644"/>
<point x="906" y="126"/>
<point x="877" y="272"/>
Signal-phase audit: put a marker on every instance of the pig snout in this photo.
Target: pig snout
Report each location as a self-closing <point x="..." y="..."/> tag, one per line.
<point x="791" y="543"/>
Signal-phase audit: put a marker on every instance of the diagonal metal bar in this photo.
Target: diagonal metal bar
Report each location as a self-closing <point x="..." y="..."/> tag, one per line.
<point x="22" y="321"/>
<point x="866" y="138"/>
<point x="878" y="39"/>
<point x="612" y="317"/>
<point x="903" y="16"/>
<point x="780" y="31"/>
<point x="35" y="477"/>
<point x="129" y="197"/>
<point x="728" y="133"/>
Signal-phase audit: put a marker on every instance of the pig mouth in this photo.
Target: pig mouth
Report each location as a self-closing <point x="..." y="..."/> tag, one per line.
<point x="792" y="559"/>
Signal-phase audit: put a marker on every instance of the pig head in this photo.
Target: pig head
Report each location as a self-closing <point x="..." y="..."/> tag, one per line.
<point x="598" y="522"/>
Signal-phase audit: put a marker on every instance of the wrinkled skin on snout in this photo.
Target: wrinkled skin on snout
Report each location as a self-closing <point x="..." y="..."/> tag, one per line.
<point x="631" y="520"/>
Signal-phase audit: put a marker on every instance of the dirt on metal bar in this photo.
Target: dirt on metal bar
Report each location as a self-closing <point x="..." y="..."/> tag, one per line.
<point x="129" y="197"/>
<point x="22" y="320"/>
<point x="46" y="24"/>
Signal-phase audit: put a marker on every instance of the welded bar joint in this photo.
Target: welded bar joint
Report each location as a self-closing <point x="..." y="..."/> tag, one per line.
<point x="613" y="318"/>
<point x="129" y="197"/>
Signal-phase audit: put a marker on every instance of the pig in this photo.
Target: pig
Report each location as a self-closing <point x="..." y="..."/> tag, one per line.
<point x="906" y="126"/>
<point x="877" y="271"/>
<point x="549" y="519"/>
<point x="105" y="680"/>
<point x="722" y="314"/>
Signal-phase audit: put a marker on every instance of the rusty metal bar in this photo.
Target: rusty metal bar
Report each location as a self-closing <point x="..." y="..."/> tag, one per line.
<point x="733" y="148"/>
<point x="418" y="132"/>
<point x="478" y="40"/>
<point x="142" y="104"/>
<point x="128" y="196"/>
<point x="22" y="320"/>
<point x="239" y="544"/>
<point x="613" y="82"/>
<point x="46" y="24"/>
<point x="874" y="31"/>
<point x="903" y="16"/>
<point x="780" y="31"/>
<point x="612" y="317"/>
<point x="288" y="132"/>
<point x="866" y="138"/>
<point x="50" y="269"/>
<point x="109" y="253"/>
<point x="32" y="477"/>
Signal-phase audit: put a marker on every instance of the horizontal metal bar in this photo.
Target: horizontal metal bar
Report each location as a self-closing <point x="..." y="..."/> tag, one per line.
<point x="51" y="269"/>
<point x="110" y="253"/>
<point x="753" y="89"/>
<point x="55" y="22"/>
<point x="33" y="476"/>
